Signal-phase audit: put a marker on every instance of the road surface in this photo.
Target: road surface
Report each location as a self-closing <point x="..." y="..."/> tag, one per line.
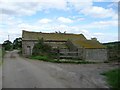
<point x="19" y="72"/>
<point x="0" y="68"/>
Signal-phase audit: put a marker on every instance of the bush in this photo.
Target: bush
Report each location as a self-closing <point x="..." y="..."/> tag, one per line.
<point x="7" y="45"/>
<point x="17" y="43"/>
<point x="41" y="49"/>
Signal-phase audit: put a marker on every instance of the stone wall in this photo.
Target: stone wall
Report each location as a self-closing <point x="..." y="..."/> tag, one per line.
<point x="70" y="46"/>
<point x="27" y="47"/>
<point x="97" y="55"/>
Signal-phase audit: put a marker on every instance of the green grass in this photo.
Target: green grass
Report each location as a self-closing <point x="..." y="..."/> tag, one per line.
<point x="0" y="52"/>
<point x="45" y="58"/>
<point x="0" y="56"/>
<point x="113" y="78"/>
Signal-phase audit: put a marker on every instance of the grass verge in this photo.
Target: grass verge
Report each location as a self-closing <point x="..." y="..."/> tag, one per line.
<point x="45" y="58"/>
<point x="0" y="56"/>
<point x="113" y="78"/>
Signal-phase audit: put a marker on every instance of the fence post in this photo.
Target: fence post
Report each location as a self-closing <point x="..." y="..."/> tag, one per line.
<point x="58" y="54"/>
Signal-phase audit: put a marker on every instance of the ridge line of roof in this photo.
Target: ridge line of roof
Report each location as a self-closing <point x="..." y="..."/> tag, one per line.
<point x="51" y="33"/>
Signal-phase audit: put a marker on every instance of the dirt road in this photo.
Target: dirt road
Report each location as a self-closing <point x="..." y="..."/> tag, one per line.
<point x="21" y="72"/>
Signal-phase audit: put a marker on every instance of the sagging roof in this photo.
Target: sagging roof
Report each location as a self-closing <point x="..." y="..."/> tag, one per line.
<point x="89" y="44"/>
<point x="78" y="40"/>
<point x="26" y="35"/>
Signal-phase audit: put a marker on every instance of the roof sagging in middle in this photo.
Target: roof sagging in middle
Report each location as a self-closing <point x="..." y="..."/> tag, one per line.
<point x="51" y="36"/>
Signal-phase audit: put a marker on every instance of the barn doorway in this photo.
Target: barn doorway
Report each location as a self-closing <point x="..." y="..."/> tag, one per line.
<point x="28" y="50"/>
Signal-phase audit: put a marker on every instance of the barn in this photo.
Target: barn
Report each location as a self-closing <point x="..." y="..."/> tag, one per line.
<point x="69" y="45"/>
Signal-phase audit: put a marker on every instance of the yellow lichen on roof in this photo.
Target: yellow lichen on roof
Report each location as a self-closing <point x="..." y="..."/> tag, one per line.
<point x="77" y="39"/>
<point x="50" y="36"/>
<point x="88" y="44"/>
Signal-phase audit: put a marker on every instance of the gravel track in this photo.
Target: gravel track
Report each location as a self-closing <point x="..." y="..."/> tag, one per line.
<point x="19" y="72"/>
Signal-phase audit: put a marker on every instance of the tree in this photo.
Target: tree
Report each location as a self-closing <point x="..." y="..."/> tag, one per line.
<point x="7" y="45"/>
<point x="41" y="48"/>
<point x="17" y="43"/>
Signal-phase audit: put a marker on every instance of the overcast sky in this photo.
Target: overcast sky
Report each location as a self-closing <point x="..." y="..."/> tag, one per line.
<point x="93" y="18"/>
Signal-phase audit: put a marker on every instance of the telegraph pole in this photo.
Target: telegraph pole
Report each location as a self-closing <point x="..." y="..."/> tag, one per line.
<point x="8" y="37"/>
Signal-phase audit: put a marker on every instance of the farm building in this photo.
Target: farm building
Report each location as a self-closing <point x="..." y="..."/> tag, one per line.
<point x="69" y="45"/>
